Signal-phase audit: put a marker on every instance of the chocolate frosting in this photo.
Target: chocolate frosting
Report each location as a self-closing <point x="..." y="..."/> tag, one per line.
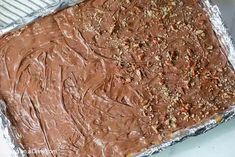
<point x="113" y="77"/>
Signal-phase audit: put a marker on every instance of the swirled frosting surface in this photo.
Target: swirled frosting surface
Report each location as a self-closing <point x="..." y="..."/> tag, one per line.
<point x="113" y="77"/>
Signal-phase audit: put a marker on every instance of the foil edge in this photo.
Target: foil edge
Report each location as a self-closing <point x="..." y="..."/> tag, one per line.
<point x="228" y="45"/>
<point x="20" y="23"/>
<point x="222" y="34"/>
<point x="9" y="134"/>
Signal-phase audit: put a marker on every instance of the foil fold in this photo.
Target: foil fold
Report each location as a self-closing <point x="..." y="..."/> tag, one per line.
<point x="225" y="41"/>
<point x="9" y="134"/>
<point x="61" y="4"/>
<point x="228" y="45"/>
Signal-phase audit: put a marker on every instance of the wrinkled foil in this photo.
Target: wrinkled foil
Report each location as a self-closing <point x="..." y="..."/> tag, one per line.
<point x="61" y="4"/>
<point x="9" y="134"/>
<point x="228" y="45"/>
<point x="226" y="42"/>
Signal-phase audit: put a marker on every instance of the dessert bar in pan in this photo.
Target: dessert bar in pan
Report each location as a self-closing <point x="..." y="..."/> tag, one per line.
<point x="117" y="78"/>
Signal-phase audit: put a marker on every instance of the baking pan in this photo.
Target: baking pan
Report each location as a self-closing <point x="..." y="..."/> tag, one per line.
<point x="41" y="8"/>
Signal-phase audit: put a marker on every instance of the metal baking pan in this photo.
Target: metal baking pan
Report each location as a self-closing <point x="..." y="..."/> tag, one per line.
<point x="15" y="14"/>
<point x="35" y="9"/>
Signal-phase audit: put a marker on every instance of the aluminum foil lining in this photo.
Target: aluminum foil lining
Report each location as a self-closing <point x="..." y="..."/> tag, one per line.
<point x="228" y="45"/>
<point x="9" y="134"/>
<point x="223" y="36"/>
<point x="17" y="17"/>
<point x="10" y="23"/>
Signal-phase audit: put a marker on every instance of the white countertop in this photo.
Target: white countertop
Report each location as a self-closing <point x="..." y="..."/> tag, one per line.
<point x="218" y="142"/>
